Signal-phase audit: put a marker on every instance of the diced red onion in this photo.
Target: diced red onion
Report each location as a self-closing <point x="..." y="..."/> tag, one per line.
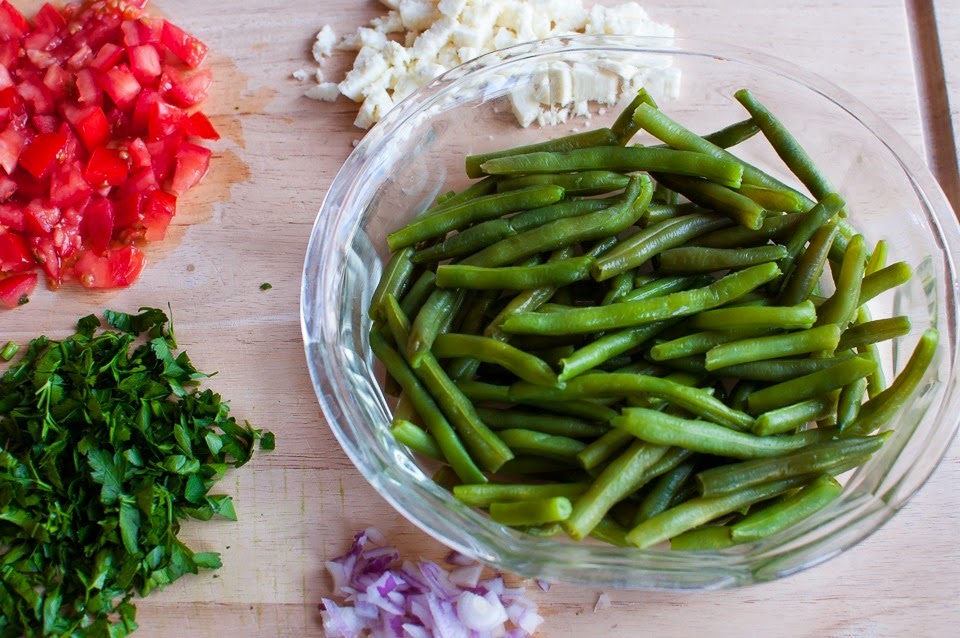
<point x="543" y="585"/>
<point x="384" y="599"/>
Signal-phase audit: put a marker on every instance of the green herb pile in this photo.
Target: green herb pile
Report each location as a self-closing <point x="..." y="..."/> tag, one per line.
<point x="106" y="445"/>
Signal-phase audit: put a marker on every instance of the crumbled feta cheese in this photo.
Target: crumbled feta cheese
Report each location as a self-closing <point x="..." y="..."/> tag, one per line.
<point x="440" y="34"/>
<point x="323" y="46"/>
<point x="300" y="75"/>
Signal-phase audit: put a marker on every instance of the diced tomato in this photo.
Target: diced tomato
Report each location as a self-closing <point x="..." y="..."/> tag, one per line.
<point x="12" y="23"/>
<point x="15" y="290"/>
<point x="15" y="255"/>
<point x="188" y="90"/>
<point x="80" y="58"/>
<point x="118" y="268"/>
<point x="91" y="126"/>
<point x="143" y="30"/>
<point x="142" y="181"/>
<point x="192" y="163"/>
<point x="46" y="254"/>
<point x="58" y="81"/>
<point x="39" y="156"/>
<point x="183" y="45"/>
<point x="36" y="96"/>
<point x="198" y="125"/>
<point x="96" y="226"/>
<point x="8" y="187"/>
<point x="12" y="142"/>
<point x="143" y="109"/>
<point x="69" y="186"/>
<point x="48" y="19"/>
<point x="11" y="216"/>
<point x="139" y="154"/>
<point x="164" y="120"/>
<point x="158" y="211"/>
<point x="88" y="91"/>
<point x="144" y="62"/>
<point x="120" y="85"/>
<point x="128" y="213"/>
<point x="45" y="123"/>
<point x="163" y="155"/>
<point x="107" y="57"/>
<point x="6" y="80"/>
<point x="106" y="168"/>
<point x="41" y="217"/>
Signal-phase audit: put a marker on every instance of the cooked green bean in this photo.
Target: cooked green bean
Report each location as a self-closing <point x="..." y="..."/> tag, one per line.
<point x="773" y="347"/>
<point x="666" y="285"/>
<point x="878" y="259"/>
<point x="447" y="439"/>
<point x="525" y="465"/>
<point x="394" y="280"/>
<point x="525" y="366"/>
<point x="556" y="424"/>
<point x="657" y="213"/>
<point x="698" y="511"/>
<point x="539" y="512"/>
<point x="823" y="212"/>
<point x="484" y="495"/>
<point x="689" y="259"/>
<point x="634" y="313"/>
<point x="708" y="438"/>
<point x="873" y="332"/>
<point x="605" y="224"/>
<point x="434" y="313"/>
<point x="786" y="146"/>
<point x="882" y="406"/>
<point x="599" y="137"/>
<point x="624" y="127"/>
<point x="776" y="199"/>
<point x="664" y="489"/>
<point x="620" y="385"/>
<point x="700" y="342"/>
<point x="791" y="417"/>
<point x="416" y="439"/>
<point x="715" y="196"/>
<point x="801" y="316"/>
<point x="639" y="248"/>
<point x="471" y="212"/>
<point x="603" y="448"/>
<point x="788" y="512"/>
<point x="609" y="531"/>
<point x="734" y="134"/>
<point x="561" y="448"/>
<point x="608" y="346"/>
<point x="623" y="160"/>
<point x="775" y="228"/>
<point x="883" y="280"/>
<point x="558" y="273"/>
<point x="810" y="385"/>
<point x="770" y="371"/>
<point x="486" y="186"/>
<point x="582" y="183"/>
<point x="830" y="457"/>
<point x="418" y="293"/>
<point x="703" y="538"/>
<point x="805" y="276"/>
<point x="613" y="484"/>
<point x="849" y="402"/>
<point x="841" y="307"/>
<point x="619" y="286"/>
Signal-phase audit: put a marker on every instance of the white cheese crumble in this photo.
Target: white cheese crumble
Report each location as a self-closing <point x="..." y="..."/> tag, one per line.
<point x="433" y="36"/>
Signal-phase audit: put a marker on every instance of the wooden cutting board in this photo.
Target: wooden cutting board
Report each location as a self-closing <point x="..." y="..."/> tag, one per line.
<point x="299" y="505"/>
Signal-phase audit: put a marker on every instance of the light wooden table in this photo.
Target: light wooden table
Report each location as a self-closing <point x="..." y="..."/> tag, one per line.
<point x="300" y="505"/>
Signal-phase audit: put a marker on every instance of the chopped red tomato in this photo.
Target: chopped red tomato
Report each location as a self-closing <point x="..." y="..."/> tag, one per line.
<point x="15" y="290"/>
<point x="98" y="135"/>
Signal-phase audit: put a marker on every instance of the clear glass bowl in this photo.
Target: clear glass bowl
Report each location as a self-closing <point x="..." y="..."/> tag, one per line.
<point x="417" y="152"/>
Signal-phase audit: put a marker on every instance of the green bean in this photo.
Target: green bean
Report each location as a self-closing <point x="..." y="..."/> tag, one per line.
<point x="394" y="280"/>
<point x="662" y="492"/>
<point x="737" y="399"/>
<point x="479" y="392"/>
<point x="603" y="448"/>
<point x="803" y="279"/>
<point x="591" y="410"/>
<point x="624" y="127"/>
<point x="525" y="366"/>
<point x="405" y="411"/>
<point x="560" y="233"/>
<point x="777" y="199"/>
<point x="773" y="347"/>
<point x="561" y="448"/>
<point x="874" y="331"/>
<point x="667" y="130"/>
<point x="770" y="371"/>
<point x="418" y="293"/>
<point x="849" y="402"/>
<point x="415" y="438"/>
<point x="609" y="531"/>
<point x="484" y="495"/>
<point x="715" y="196"/>
<point x="651" y="241"/>
<point x="786" y="146"/>
<point x="810" y="385"/>
<point x="664" y="196"/>
<point x="775" y="228"/>
<point x="788" y="512"/>
<point x="471" y="212"/>
<point x="582" y="183"/>
<point x="734" y="134"/>
<point x="606" y="347"/>
<point x="703" y="538"/>
<point x="524" y="465"/>
<point x="558" y="425"/>
<point x="398" y="326"/>
<point x="619" y="286"/>
<point x="436" y="310"/>
<point x="657" y="213"/>
<point x="447" y="440"/>
<point x="878" y="259"/>
<point x="884" y="405"/>
<point x="688" y="259"/>
<point x="791" y="417"/>
<point x="599" y="137"/>
<point x="813" y="219"/>
<point x="560" y="273"/>
<point x="801" y="316"/>
<point x="700" y="342"/>
<point x="698" y="511"/>
<point x="831" y="457"/>
<point x="706" y="437"/>
<point x="548" y="510"/>
<point x="666" y="285"/>
<point x="486" y="186"/>
<point x="883" y="280"/>
<point x="634" y="313"/>
<point x="841" y="307"/>
<point x="623" y="160"/>
<point x="613" y="484"/>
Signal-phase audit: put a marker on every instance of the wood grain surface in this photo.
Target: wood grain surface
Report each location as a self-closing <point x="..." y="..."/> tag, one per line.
<point x="299" y="505"/>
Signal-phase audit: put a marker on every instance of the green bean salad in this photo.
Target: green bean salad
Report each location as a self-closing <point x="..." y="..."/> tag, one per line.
<point x="631" y="343"/>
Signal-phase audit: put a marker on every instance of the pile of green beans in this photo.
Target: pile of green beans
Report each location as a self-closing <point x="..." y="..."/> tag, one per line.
<point x="632" y="342"/>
